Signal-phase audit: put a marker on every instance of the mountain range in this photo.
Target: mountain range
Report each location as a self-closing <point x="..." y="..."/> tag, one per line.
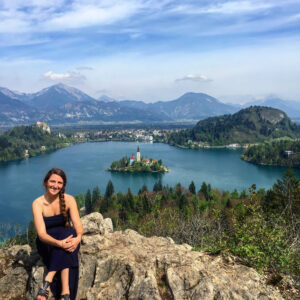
<point x="61" y="104"/>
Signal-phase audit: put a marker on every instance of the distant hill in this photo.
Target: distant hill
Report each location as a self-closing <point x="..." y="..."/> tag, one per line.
<point x="249" y="125"/>
<point x="190" y="106"/>
<point x="32" y="139"/>
<point x="193" y="106"/>
<point x="291" y="108"/>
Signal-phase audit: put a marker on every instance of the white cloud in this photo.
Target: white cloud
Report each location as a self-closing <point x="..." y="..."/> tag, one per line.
<point x="34" y="16"/>
<point x="192" y="77"/>
<point x="234" y="7"/>
<point x="59" y="15"/>
<point x="82" y="15"/>
<point x="68" y="77"/>
<point x="230" y="7"/>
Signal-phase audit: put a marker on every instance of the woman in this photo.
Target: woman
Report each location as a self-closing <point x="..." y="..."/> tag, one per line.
<point x="57" y="242"/>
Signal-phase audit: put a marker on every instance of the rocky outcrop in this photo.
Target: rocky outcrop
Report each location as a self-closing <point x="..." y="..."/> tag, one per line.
<point x="127" y="265"/>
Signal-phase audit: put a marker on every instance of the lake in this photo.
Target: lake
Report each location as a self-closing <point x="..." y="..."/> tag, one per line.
<point x="85" y="164"/>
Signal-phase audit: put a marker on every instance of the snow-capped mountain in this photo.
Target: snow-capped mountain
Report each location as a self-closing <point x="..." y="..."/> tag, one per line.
<point x="55" y="96"/>
<point x="60" y="104"/>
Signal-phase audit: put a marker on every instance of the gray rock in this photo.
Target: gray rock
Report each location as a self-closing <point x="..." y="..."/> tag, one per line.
<point x="95" y="224"/>
<point x="14" y="263"/>
<point x="127" y="265"/>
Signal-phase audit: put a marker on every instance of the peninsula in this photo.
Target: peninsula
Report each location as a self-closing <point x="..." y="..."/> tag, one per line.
<point x="27" y="141"/>
<point x="138" y="164"/>
<point x="281" y="152"/>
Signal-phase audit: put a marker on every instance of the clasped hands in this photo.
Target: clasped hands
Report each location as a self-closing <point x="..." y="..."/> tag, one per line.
<point x="70" y="243"/>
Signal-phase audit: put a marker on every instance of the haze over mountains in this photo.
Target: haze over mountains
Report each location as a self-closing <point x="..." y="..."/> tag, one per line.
<point x="61" y="104"/>
<point x="291" y="108"/>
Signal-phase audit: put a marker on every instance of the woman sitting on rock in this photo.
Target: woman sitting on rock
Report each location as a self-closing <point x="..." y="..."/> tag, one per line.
<point x="57" y="242"/>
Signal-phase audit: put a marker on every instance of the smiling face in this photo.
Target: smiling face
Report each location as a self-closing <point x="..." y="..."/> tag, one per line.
<point x="54" y="184"/>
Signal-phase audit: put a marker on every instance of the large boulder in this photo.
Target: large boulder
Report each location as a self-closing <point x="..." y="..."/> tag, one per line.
<point x="15" y="268"/>
<point x="127" y="265"/>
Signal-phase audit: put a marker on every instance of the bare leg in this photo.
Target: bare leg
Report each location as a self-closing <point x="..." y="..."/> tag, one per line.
<point x="49" y="277"/>
<point x="65" y="281"/>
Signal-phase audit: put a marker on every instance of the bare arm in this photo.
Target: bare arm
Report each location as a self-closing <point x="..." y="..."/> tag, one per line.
<point x="41" y="228"/>
<point x="74" y="214"/>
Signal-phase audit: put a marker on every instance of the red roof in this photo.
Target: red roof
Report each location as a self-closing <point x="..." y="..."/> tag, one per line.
<point x="132" y="157"/>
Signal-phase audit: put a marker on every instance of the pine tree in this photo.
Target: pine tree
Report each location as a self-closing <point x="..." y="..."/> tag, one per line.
<point x="178" y="190"/>
<point x="204" y="190"/>
<point x="139" y="205"/>
<point x="157" y="186"/>
<point x="144" y="188"/>
<point x="146" y="204"/>
<point x="192" y="188"/>
<point x="129" y="199"/>
<point x="95" y="197"/>
<point x="109" y="190"/>
<point x="88" y="202"/>
<point x="182" y="201"/>
<point x="284" y="197"/>
<point x="105" y="204"/>
<point x="31" y="235"/>
<point x="235" y="194"/>
<point x="163" y="200"/>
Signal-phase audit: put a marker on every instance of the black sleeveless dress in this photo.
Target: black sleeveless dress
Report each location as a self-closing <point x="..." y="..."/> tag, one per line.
<point x="57" y="259"/>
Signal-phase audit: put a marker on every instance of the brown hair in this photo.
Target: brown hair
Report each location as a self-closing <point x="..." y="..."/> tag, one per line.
<point x="61" y="194"/>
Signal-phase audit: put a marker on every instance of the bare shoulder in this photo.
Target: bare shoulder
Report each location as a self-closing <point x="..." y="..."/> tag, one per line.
<point x="37" y="204"/>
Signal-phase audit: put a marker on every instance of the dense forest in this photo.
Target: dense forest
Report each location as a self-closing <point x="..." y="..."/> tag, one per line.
<point x="251" y="125"/>
<point x="32" y="140"/>
<point x="280" y="153"/>
<point x="259" y="227"/>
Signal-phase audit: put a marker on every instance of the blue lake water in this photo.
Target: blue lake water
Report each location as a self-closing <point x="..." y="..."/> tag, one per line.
<point x="85" y="164"/>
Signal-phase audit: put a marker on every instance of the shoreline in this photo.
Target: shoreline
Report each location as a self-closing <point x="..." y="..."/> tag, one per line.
<point x="129" y="171"/>
<point x="266" y="164"/>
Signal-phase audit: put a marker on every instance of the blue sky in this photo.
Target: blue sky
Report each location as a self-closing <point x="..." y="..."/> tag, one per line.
<point x="153" y="49"/>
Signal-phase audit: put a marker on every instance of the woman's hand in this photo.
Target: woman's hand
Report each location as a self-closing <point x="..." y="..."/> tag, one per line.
<point x="65" y="243"/>
<point x="72" y="243"/>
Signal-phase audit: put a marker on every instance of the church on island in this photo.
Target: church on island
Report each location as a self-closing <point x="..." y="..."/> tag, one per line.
<point x="138" y="156"/>
<point x="138" y="164"/>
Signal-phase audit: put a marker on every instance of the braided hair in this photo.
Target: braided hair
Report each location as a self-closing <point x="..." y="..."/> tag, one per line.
<point x="61" y="194"/>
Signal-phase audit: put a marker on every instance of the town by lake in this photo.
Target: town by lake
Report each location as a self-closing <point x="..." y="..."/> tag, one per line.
<point x="85" y="164"/>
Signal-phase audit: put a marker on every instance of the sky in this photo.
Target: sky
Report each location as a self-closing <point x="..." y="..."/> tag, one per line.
<point x="153" y="50"/>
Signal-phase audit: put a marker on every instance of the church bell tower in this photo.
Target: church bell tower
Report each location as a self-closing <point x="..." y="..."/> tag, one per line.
<point x="138" y="154"/>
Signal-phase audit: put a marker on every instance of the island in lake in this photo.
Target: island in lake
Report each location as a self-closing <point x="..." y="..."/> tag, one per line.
<point x="138" y="164"/>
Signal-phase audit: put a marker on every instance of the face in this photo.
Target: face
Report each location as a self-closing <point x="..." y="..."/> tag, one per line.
<point x="54" y="184"/>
